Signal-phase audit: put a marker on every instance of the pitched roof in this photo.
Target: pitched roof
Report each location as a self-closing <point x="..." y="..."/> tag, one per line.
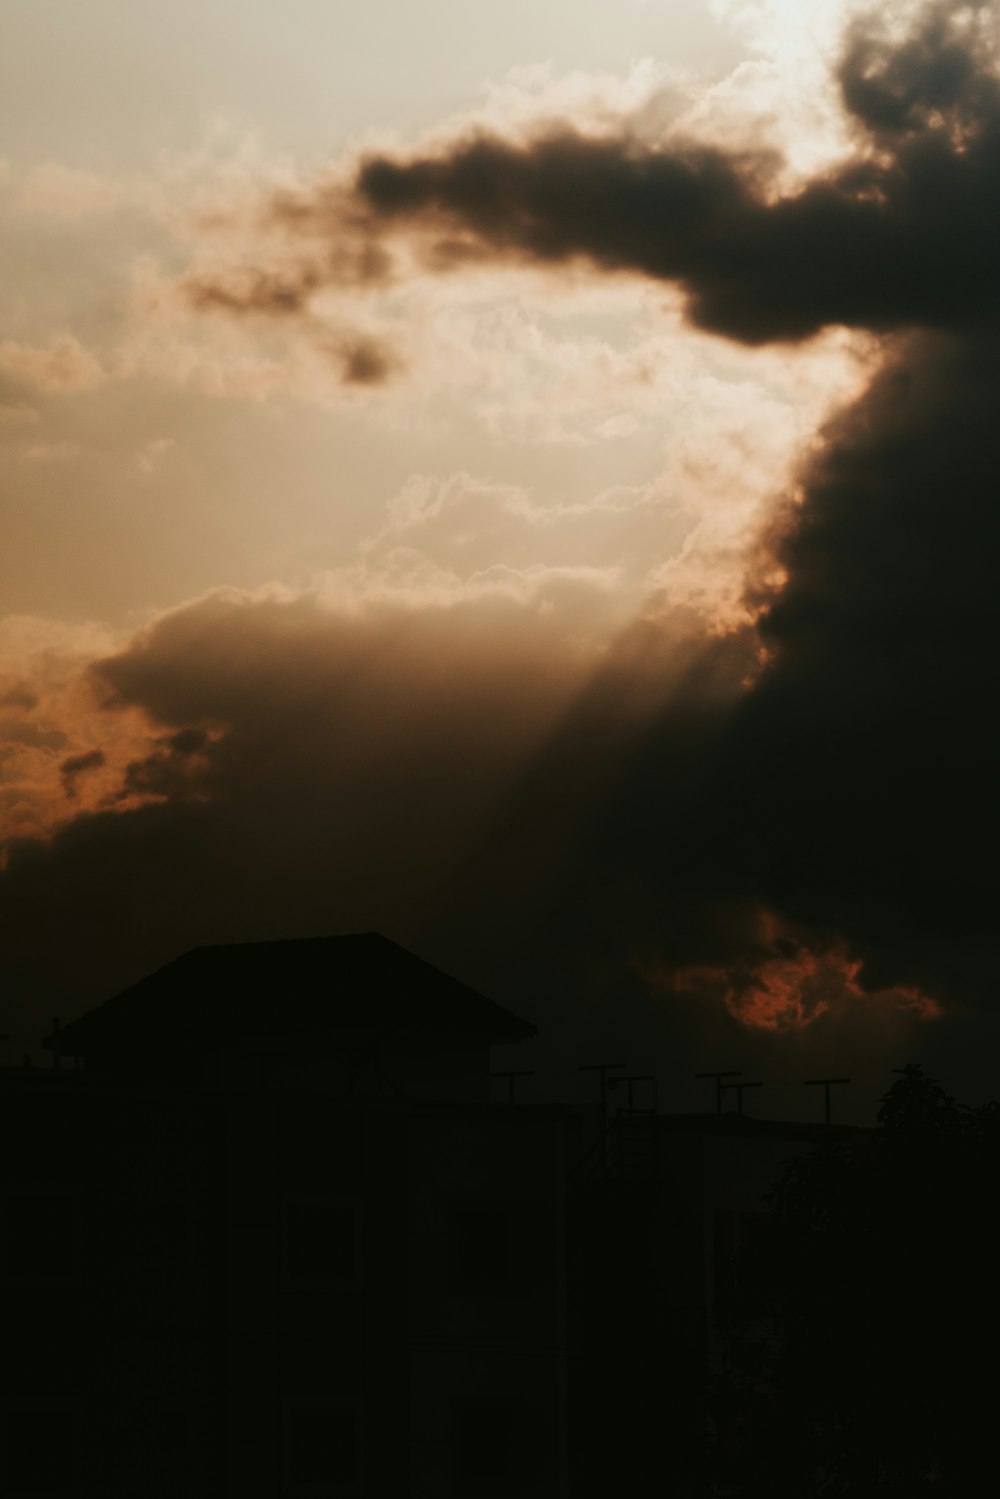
<point x="362" y="981"/>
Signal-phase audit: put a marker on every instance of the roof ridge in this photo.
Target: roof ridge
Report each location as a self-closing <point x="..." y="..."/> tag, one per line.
<point x="283" y="985"/>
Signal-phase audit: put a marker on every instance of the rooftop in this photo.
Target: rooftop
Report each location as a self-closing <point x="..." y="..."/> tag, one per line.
<point x="357" y="982"/>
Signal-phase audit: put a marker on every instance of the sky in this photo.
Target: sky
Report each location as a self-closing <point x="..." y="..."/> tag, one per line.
<point x="519" y="477"/>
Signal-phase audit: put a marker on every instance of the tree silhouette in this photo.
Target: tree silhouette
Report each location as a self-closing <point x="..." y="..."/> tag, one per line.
<point x="860" y="1340"/>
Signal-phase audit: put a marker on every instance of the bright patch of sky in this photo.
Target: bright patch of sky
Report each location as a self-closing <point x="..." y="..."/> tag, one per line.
<point x="108" y="83"/>
<point x="151" y="454"/>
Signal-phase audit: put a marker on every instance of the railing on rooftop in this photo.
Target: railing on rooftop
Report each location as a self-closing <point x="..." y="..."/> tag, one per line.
<point x="625" y="1151"/>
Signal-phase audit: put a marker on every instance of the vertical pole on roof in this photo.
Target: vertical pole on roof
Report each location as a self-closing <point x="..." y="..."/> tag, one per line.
<point x="603" y="1068"/>
<point x="826" y="1083"/>
<point x="510" y="1076"/>
<point x="738" y="1088"/>
<point x="718" y="1076"/>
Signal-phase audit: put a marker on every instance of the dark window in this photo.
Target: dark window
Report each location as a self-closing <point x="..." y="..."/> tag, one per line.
<point x="484" y="1446"/>
<point x="723" y="1234"/>
<point x="170" y="1438"/>
<point x="321" y="1447"/>
<point x="38" y="1451"/>
<point x="480" y="1248"/>
<point x="757" y="1234"/>
<point x="501" y="1447"/>
<point x="38" y="1236"/>
<point x="724" y="1248"/>
<point x="170" y="1223"/>
<point x="320" y="1241"/>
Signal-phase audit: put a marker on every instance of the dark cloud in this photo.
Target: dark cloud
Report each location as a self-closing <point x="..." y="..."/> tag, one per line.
<point x="310" y="768"/>
<point x="904" y="233"/>
<point x="170" y="773"/>
<point x="23" y="732"/>
<point x="258" y="292"/>
<point x="875" y="730"/>
<point x="366" y="361"/>
<point x="884" y="242"/>
<point x="852" y="788"/>
<point x="19" y="696"/>
<point x="188" y="742"/>
<point x="75" y="766"/>
<point x="943" y="74"/>
<point x="359" y="359"/>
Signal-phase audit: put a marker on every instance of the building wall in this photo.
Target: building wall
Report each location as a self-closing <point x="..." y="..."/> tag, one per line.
<point x="112" y="1356"/>
<point x="407" y="1344"/>
<point x="487" y="1329"/>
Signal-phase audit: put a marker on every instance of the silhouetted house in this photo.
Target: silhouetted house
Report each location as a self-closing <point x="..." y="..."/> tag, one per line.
<point x="274" y="1239"/>
<point x="337" y="1014"/>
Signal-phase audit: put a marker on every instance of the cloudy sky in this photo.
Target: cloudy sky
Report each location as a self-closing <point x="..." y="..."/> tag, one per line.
<point x="520" y="477"/>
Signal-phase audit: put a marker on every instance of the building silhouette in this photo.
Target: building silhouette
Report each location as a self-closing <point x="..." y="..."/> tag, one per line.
<point x="265" y="1232"/>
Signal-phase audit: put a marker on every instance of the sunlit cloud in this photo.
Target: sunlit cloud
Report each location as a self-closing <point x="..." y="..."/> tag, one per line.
<point x="795" y="980"/>
<point x="59" y="754"/>
<point x="63" y="365"/>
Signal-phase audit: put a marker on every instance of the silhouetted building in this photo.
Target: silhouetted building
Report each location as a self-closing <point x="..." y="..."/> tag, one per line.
<point x="274" y="1239"/>
<point x="264" y="1233"/>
